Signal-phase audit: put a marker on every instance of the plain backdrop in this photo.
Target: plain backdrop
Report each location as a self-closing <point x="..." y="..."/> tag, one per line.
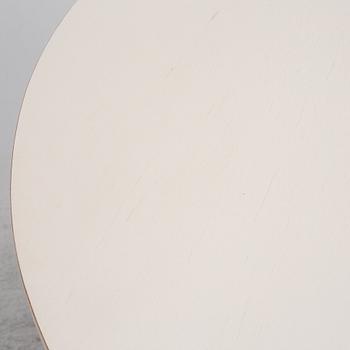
<point x="25" y="28"/>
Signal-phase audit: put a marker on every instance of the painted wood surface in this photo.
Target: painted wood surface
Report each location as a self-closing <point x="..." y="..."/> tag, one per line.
<point x="181" y="177"/>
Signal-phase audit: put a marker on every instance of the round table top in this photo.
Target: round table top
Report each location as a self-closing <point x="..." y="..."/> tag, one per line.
<point x="181" y="177"/>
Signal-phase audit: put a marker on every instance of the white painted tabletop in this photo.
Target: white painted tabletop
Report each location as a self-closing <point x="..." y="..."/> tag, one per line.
<point x="181" y="177"/>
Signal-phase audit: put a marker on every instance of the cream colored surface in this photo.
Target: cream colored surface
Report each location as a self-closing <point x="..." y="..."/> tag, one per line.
<point x="181" y="177"/>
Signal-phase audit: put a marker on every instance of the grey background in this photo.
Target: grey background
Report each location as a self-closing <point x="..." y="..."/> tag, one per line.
<point x="25" y="28"/>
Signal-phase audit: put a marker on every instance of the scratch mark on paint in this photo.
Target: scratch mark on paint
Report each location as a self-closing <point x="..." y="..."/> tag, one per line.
<point x="243" y="317"/>
<point x="336" y="56"/>
<point x="133" y="210"/>
<point x="169" y="72"/>
<point x="215" y="14"/>
<point x="266" y="194"/>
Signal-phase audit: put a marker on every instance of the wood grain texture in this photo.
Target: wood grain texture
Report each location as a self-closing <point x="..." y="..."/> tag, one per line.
<point x="181" y="177"/>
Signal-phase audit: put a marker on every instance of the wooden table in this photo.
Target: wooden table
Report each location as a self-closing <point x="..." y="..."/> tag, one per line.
<point x="181" y="177"/>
